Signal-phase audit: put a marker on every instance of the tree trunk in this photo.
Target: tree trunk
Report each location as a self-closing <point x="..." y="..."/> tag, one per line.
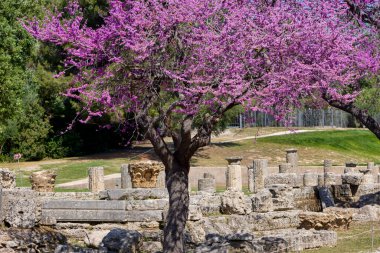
<point x="177" y="180"/>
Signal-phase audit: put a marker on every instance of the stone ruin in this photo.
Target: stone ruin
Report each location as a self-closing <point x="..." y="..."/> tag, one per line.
<point x="43" y="181"/>
<point x="290" y="210"/>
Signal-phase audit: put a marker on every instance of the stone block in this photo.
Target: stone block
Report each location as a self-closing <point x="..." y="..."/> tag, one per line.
<point x="327" y="199"/>
<point x="7" y="179"/>
<point x="43" y="181"/>
<point x="352" y="178"/>
<point x="262" y="201"/>
<point x="310" y="179"/>
<point x="134" y="194"/>
<point x="289" y="179"/>
<point x="20" y="212"/>
<point x="148" y="204"/>
<point x="208" y="203"/>
<point x="195" y="213"/>
<point x="285" y="168"/>
<point x="331" y="219"/>
<point x="143" y="216"/>
<point x="329" y="178"/>
<point x="76" y="215"/>
<point x="85" y="204"/>
<point x="282" y="197"/>
<point x="206" y="185"/>
<point x="235" y="202"/>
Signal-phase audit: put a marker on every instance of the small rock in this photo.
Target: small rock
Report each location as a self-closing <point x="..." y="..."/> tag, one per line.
<point x="122" y="240"/>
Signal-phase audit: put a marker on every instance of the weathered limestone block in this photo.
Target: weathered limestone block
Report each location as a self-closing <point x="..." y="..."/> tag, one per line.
<point x="352" y="178"/>
<point x="227" y="224"/>
<point x="96" y="179"/>
<point x="289" y="179"/>
<point x="206" y="185"/>
<point x="296" y="240"/>
<point x="282" y="197"/>
<point x="327" y="166"/>
<point x="368" y="177"/>
<point x="195" y="213"/>
<point x="121" y="240"/>
<point x="20" y="212"/>
<point x="329" y="179"/>
<point x="208" y="203"/>
<point x="235" y="202"/>
<point x="306" y="199"/>
<point x="310" y="179"/>
<point x="144" y="174"/>
<point x="292" y="157"/>
<point x="43" y="181"/>
<point x="126" y="180"/>
<point x="262" y="201"/>
<point x="144" y="216"/>
<point x="330" y="219"/>
<point x="260" y="171"/>
<point x="367" y="213"/>
<point x="7" y="179"/>
<point x="134" y="194"/>
<point x="147" y="204"/>
<point x="285" y="168"/>
<point x="233" y="174"/>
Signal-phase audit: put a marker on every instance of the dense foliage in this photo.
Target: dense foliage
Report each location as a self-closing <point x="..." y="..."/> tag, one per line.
<point x="33" y="113"/>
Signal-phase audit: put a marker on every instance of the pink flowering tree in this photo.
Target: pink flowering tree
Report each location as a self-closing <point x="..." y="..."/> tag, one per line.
<point x="362" y="13"/>
<point x="178" y="66"/>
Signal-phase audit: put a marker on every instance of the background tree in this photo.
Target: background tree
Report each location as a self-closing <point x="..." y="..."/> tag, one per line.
<point x="179" y="66"/>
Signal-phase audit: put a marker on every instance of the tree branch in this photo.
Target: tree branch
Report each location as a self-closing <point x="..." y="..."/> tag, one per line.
<point x="359" y="114"/>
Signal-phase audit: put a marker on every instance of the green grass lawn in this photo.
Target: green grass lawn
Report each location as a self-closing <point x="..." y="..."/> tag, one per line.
<point x="313" y="147"/>
<point x="352" y="142"/>
<point x="356" y="239"/>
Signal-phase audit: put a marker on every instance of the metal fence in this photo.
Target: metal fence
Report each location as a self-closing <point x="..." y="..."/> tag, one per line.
<point x="330" y="117"/>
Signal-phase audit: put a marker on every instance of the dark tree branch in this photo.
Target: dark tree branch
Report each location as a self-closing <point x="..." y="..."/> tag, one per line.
<point x="359" y="114"/>
<point x="362" y="15"/>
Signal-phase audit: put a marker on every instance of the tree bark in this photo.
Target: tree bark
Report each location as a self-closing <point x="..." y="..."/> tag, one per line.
<point x="177" y="181"/>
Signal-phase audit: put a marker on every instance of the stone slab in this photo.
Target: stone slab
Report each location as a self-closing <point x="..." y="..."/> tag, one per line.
<point x="141" y="216"/>
<point x="85" y="215"/>
<point x="134" y="194"/>
<point x="289" y="179"/>
<point x="148" y="204"/>
<point x="85" y="204"/>
<point x="327" y="199"/>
